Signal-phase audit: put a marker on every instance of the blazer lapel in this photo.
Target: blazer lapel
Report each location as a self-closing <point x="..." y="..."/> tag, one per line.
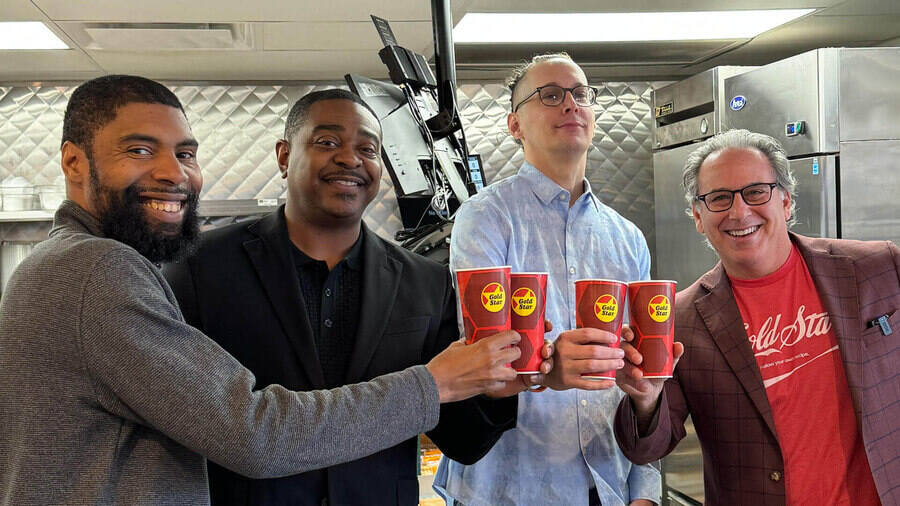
<point x="835" y="280"/>
<point x="380" y="281"/>
<point x="270" y="255"/>
<point x="726" y="327"/>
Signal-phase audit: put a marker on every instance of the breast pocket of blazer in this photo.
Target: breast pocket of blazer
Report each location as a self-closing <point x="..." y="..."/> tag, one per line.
<point x="877" y="343"/>
<point x="402" y="343"/>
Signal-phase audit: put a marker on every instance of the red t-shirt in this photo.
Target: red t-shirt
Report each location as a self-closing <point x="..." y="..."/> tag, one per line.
<point x="797" y="353"/>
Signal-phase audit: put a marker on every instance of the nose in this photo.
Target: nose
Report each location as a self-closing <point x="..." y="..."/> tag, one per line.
<point x="170" y="169"/>
<point x="568" y="102"/>
<point x="347" y="157"/>
<point x="739" y="208"/>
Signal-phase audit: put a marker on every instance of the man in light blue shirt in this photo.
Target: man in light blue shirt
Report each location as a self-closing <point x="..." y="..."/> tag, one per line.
<point x="546" y="218"/>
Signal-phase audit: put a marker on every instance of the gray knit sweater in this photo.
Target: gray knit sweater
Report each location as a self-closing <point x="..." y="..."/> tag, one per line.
<point x="108" y="397"/>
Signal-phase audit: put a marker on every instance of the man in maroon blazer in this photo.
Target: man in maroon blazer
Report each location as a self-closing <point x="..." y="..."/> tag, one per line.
<point x="791" y="348"/>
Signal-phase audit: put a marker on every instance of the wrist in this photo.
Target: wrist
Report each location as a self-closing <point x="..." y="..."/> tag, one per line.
<point x="644" y="414"/>
<point x="438" y="383"/>
<point x="644" y="407"/>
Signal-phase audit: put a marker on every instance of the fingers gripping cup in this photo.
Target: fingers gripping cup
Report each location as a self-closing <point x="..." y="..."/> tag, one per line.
<point x="484" y="301"/>
<point x="527" y="305"/>
<point x="653" y="323"/>
<point x="600" y="304"/>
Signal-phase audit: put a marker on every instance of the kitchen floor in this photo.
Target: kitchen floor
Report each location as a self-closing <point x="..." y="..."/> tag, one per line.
<point x="427" y="495"/>
<point x="684" y="466"/>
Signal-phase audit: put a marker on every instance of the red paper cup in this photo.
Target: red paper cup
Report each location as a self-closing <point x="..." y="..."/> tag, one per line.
<point x="600" y="304"/>
<point x="527" y="304"/>
<point x="653" y="322"/>
<point x="484" y="301"/>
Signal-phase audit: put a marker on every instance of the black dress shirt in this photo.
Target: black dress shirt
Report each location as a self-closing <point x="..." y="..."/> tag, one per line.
<point x="332" y="303"/>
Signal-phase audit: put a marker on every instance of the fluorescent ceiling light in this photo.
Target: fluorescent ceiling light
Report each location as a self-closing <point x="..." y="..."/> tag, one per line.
<point x="28" y="35"/>
<point x="476" y="27"/>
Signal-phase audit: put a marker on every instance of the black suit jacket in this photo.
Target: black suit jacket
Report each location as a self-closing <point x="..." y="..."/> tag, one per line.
<point x="241" y="289"/>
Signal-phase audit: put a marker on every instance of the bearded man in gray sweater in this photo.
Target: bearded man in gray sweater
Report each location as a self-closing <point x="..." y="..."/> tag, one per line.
<point x="108" y="397"/>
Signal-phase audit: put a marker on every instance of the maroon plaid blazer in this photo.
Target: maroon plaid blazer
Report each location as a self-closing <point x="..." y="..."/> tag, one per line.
<point x="718" y="383"/>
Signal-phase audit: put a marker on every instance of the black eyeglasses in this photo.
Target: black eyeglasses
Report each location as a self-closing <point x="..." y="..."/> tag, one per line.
<point x="755" y="194"/>
<point x="553" y="95"/>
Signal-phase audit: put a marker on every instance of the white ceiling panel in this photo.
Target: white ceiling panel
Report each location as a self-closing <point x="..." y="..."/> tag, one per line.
<point x="641" y="5"/>
<point x="20" y="10"/>
<point x="865" y="8"/>
<point x="44" y="65"/>
<point x="809" y="34"/>
<point x="360" y="36"/>
<point x="312" y="40"/>
<point x="226" y="11"/>
<point x="244" y="65"/>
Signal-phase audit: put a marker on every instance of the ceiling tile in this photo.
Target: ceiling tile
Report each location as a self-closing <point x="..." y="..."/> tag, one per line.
<point x="864" y="7"/>
<point x="243" y="65"/>
<point x="343" y="36"/>
<point x="19" y="10"/>
<point x="199" y="11"/>
<point x="641" y="5"/>
<point x="46" y="65"/>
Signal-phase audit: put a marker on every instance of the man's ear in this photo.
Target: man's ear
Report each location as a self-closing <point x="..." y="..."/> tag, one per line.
<point x="282" y="156"/>
<point x="695" y="212"/>
<point x="786" y="204"/>
<point x="75" y="163"/>
<point x="515" y="127"/>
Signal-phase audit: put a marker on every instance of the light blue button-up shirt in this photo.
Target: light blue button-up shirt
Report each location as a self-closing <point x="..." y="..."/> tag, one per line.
<point x="563" y="443"/>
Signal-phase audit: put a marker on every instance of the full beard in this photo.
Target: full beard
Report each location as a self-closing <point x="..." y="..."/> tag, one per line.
<point x="123" y="218"/>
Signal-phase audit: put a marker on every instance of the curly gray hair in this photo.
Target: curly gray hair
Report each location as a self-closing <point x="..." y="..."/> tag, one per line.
<point x="740" y="139"/>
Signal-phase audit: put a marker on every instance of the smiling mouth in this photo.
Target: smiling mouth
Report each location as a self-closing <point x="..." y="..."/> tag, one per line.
<point x="167" y="206"/>
<point x="350" y="182"/>
<point x="742" y="232"/>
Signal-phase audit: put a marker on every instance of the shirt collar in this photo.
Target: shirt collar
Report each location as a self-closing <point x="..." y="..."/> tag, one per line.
<point x="547" y="190"/>
<point x="69" y="214"/>
<point x="353" y="259"/>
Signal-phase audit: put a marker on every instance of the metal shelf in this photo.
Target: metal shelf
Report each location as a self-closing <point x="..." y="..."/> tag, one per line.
<point x="22" y="216"/>
<point x="237" y="207"/>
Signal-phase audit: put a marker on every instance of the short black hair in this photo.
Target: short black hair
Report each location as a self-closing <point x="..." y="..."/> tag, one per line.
<point x="301" y="107"/>
<point x="96" y="102"/>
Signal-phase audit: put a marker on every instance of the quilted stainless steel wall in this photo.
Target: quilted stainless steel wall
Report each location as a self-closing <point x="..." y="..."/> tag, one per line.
<point x="237" y="127"/>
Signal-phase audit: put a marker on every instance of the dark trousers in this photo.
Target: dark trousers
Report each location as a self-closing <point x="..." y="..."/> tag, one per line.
<point x="593" y="498"/>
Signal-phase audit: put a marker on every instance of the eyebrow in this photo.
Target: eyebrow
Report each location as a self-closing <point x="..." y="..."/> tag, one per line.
<point x="187" y="142"/>
<point x="554" y="83"/>
<point x="723" y="189"/>
<point x="340" y="128"/>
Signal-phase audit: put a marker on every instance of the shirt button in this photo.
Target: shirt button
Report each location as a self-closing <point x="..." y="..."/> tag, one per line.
<point x="328" y="292"/>
<point x="328" y="322"/>
<point x="775" y="476"/>
<point x="583" y="402"/>
<point x="571" y="270"/>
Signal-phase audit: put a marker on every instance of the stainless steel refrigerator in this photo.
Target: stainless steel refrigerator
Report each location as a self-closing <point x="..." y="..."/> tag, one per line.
<point x="836" y="111"/>
<point x="684" y="114"/>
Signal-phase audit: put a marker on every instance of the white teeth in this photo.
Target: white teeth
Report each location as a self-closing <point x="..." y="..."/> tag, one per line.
<point x="743" y="232"/>
<point x="344" y="183"/>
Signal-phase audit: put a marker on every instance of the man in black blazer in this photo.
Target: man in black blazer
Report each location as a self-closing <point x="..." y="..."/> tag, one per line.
<point x="332" y="304"/>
